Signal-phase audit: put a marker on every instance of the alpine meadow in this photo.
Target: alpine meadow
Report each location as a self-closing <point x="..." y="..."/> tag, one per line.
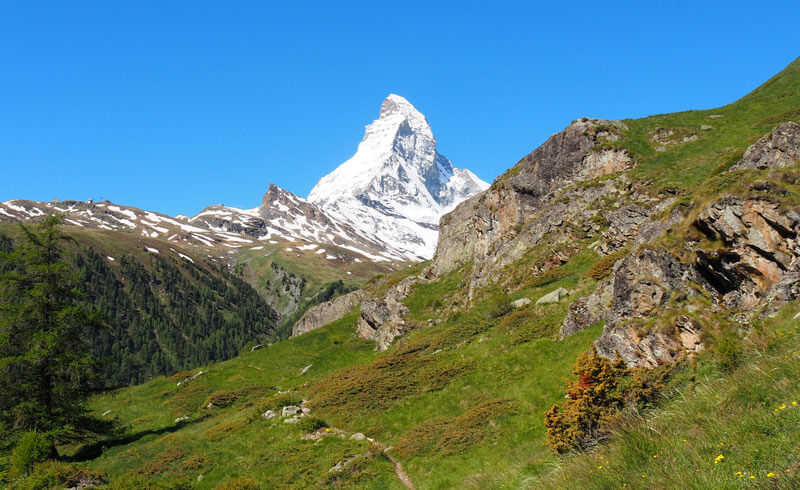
<point x="620" y="308"/>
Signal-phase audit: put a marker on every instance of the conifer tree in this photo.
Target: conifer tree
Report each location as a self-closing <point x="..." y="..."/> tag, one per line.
<point x="46" y="371"/>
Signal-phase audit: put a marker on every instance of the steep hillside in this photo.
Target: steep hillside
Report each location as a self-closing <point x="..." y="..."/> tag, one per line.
<point x="166" y="308"/>
<point x="294" y="276"/>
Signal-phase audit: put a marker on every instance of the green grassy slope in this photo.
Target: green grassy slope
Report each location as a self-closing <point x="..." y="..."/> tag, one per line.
<point x="718" y="429"/>
<point x="473" y="371"/>
<point x="684" y="166"/>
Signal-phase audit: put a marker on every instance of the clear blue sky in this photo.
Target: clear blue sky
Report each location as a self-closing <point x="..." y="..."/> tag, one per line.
<point x="171" y="106"/>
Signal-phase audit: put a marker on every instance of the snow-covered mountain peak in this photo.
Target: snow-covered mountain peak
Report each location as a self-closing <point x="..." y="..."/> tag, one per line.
<point x="397" y="185"/>
<point x="395" y="105"/>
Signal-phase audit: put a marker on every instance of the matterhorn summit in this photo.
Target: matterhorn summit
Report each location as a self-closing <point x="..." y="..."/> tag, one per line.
<point x="397" y="186"/>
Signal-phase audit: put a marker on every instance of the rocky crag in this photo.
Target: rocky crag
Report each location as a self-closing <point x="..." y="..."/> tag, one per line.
<point x="736" y="254"/>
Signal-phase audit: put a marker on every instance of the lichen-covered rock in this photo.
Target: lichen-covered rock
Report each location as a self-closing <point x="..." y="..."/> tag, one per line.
<point x="384" y="318"/>
<point x="552" y="297"/>
<point x="520" y="302"/>
<point x="633" y="224"/>
<point x="644" y="283"/>
<point x="588" y="310"/>
<point x="290" y="411"/>
<point x="325" y="313"/>
<point x="760" y="260"/>
<point x="780" y="148"/>
<point x="756" y="267"/>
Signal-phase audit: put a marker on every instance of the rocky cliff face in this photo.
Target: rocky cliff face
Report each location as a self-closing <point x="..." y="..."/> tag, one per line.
<point x="325" y="313"/>
<point x="780" y="148"/>
<point x="535" y="198"/>
<point x="283" y="291"/>
<point x="758" y="263"/>
<point x="755" y="268"/>
<point x="651" y="285"/>
<point x="384" y="318"/>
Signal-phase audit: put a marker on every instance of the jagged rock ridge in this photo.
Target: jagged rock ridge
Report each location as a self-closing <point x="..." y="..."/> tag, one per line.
<point x="283" y="216"/>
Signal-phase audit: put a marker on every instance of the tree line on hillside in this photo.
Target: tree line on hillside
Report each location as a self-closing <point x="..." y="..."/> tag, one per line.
<point x="46" y="368"/>
<point x="165" y="317"/>
<point x="71" y="324"/>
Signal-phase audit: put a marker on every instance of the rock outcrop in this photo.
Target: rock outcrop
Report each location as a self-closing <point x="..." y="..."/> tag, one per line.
<point x="650" y="317"/>
<point x="646" y="285"/>
<point x="536" y="197"/>
<point x="588" y="310"/>
<point x="384" y="318"/>
<point x="759" y="263"/>
<point x="325" y="313"/>
<point x="780" y="148"/>
<point x="283" y="290"/>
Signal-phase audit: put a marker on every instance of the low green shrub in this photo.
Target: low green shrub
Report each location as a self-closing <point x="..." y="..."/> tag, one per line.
<point x="388" y="379"/>
<point x="276" y="402"/>
<point x="33" y="447"/>
<point x="310" y="424"/>
<point x="603" y="267"/>
<point x="221" y="399"/>
<point x="141" y="482"/>
<point x="4" y="467"/>
<point x="454" y="435"/>
<point x="239" y="483"/>
<point x="54" y="474"/>
<point x="728" y="351"/>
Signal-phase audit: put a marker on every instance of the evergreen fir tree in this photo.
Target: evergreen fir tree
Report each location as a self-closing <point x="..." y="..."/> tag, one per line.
<point x="46" y="371"/>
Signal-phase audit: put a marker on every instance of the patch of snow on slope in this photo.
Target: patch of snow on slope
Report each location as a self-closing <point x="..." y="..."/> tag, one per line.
<point x="127" y="212"/>
<point x="183" y="256"/>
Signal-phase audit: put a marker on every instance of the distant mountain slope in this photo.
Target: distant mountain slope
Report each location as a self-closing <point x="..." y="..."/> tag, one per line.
<point x="397" y="185"/>
<point x="278" y="241"/>
<point x="168" y="308"/>
<point x="114" y="217"/>
<point x="285" y="217"/>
